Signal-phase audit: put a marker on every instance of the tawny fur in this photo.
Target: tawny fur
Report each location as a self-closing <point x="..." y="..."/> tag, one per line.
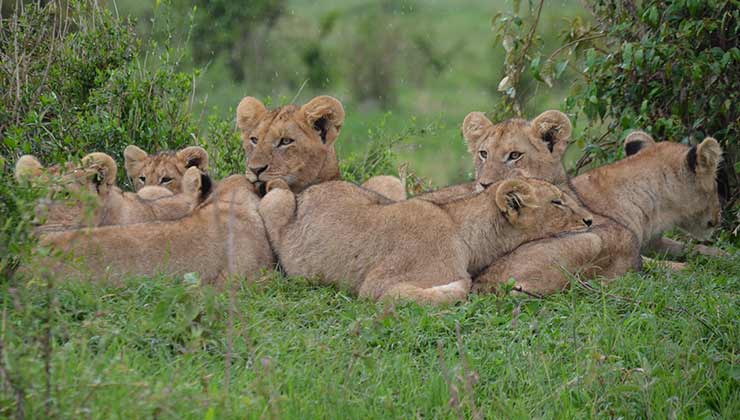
<point x="635" y="201"/>
<point x="389" y="186"/>
<point x="165" y="169"/>
<point x="415" y="249"/>
<point x="222" y="236"/>
<point x="511" y="148"/>
<point x="295" y="144"/>
<point x="97" y="201"/>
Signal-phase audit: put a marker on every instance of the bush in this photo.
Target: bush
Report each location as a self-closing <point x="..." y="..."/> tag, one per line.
<point x="87" y="85"/>
<point x="671" y="69"/>
<point x="665" y="66"/>
<point x="77" y="81"/>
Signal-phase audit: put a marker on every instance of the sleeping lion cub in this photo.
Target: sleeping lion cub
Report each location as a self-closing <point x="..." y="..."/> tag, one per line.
<point x="413" y="249"/>
<point x="86" y="195"/>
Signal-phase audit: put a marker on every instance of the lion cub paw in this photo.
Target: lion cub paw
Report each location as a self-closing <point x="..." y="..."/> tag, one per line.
<point x="276" y="184"/>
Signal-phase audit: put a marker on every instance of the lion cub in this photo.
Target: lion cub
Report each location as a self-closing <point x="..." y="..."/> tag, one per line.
<point x="415" y="249"/>
<point x="165" y="169"/>
<point x="665" y="185"/>
<point x="86" y="195"/>
<point x="224" y="235"/>
<point x="295" y="145"/>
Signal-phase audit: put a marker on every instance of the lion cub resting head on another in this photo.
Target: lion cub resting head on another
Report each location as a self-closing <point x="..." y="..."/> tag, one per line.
<point x="295" y="145"/>
<point x="165" y="169"/>
<point x="86" y="195"/>
<point x="414" y="249"/>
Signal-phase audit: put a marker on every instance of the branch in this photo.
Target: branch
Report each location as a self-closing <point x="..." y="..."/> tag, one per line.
<point x="585" y="38"/>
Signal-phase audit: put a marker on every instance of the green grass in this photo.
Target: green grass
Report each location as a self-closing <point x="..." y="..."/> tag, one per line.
<point x="657" y="345"/>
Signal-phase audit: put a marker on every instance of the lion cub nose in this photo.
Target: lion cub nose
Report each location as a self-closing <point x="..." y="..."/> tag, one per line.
<point x="588" y="222"/>
<point x="257" y="170"/>
<point x="485" y="185"/>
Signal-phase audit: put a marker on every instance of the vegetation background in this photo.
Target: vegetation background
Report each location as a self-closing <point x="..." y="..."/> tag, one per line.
<point x="81" y="76"/>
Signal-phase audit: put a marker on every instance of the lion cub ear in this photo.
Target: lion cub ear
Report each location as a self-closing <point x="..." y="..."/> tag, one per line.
<point x="474" y="129"/>
<point x="554" y="129"/>
<point x="325" y="115"/>
<point x="512" y="196"/>
<point x="194" y="156"/>
<point x="249" y="112"/>
<point x="133" y="157"/>
<point x="192" y="181"/>
<point x="102" y="168"/>
<point x="28" y="167"/>
<point x="636" y="141"/>
<point x="704" y="159"/>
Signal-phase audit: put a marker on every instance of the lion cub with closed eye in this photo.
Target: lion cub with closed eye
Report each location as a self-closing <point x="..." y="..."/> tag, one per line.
<point x="414" y="249"/>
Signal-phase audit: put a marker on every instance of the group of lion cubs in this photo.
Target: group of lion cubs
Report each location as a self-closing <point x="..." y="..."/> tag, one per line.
<point x="521" y="218"/>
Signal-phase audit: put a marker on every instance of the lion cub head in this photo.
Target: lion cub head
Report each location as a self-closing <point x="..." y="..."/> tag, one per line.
<point x="163" y="169"/>
<point x="536" y="206"/>
<point x="292" y="144"/>
<point x="518" y="147"/>
<point x="86" y="194"/>
<point x="694" y="199"/>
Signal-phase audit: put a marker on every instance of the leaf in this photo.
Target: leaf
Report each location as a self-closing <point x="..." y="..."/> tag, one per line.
<point x="653" y="16"/>
<point x="627" y="56"/>
<point x="508" y="43"/>
<point x="504" y="84"/>
<point x="535" y="67"/>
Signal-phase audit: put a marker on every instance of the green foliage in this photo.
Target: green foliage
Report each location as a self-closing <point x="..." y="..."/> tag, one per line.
<point x="225" y="27"/>
<point x="373" y="70"/>
<point x="68" y="92"/>
<point x="671" y="69"/>
<point x="16" y="220"/>
<point x="667" y="67"/>
<point x="380" y="155"/>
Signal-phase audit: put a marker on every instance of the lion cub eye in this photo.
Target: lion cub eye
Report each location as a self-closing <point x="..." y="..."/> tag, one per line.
<point x="285" y="142"/>
<point x="165" y="180"/>
<point x="557" y="202"/>
<point x="483" y="154"/>
<point x="253" y="140"/>
<point x="514" y="155"/>
<point x="142" y="179"/>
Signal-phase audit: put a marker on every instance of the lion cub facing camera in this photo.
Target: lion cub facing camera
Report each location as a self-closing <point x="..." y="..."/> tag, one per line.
<point x="418" y="250"/>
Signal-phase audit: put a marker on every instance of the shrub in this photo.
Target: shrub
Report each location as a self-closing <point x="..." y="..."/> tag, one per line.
<point x="78" y="80"/>
<point x="665" y="66"/>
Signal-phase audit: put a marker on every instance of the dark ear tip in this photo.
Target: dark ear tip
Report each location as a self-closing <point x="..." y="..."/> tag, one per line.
<point x="206" y="184"/>
<point x="633" y="147"/>
<point x="691" y="159"/>
<point x="322" y="126"/>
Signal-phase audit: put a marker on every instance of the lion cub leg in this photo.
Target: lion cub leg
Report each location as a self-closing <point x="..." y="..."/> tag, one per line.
<point x="547" y="266"/>
<point x="277" y="209"/>
<point x="423" y="292"/>
<point x="388" y="186"/>
<point x="676" y="248"/>
<point x="455" y="291"/>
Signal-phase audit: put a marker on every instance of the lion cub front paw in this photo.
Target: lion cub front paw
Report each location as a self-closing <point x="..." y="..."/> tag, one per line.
<point x="275" y="184"/>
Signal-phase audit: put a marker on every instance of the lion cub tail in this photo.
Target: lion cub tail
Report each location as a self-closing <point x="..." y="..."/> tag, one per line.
<point x="277" y="209"/>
